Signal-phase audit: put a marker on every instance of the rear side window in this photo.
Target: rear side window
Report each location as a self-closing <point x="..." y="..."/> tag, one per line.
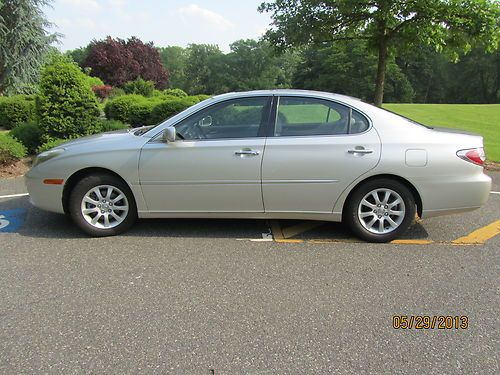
<point x="309" y="116"/>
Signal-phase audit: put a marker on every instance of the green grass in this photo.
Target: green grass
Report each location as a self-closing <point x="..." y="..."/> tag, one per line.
<point x="483" y="119"/>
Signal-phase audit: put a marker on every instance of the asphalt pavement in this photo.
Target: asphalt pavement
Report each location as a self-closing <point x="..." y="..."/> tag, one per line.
<point x="223" y="297"/>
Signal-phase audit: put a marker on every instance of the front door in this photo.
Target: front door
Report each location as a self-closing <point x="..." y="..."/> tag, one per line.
<point x="214" y="165"/>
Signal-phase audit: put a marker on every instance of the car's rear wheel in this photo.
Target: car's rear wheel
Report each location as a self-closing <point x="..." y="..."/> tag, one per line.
<point x="102" y="205"/>
<point x="380" y="210"/>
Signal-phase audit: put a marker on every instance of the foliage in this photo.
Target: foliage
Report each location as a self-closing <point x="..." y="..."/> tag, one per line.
<point x="94" y="81"/>
<point x="15" y="110"/>
<point x="140" y="112"/>
<point x="10" y="149"/>
<point x="174" y="60"/>
<point x="117" y="61"/>
<point x="66" y="106"/>
<point x="140" y="87"/>
<point x="102" y="91"/>
<point x="119" y="107"/>
<point x="206" y="69"/>
<point x="24" y="43"/>
<point x="166" y="109"/>
<point x="78" y="55"/>
<point x="387" y="26"/>
<point x="51" y="143"/>
<point x="175" y="92"/>
<point x="111" y="125"/>
<point x="29" y="134"/>
<point x="483" y="119"/>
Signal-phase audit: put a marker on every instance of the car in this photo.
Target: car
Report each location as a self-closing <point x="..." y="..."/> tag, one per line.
<point x="270" y="154"/>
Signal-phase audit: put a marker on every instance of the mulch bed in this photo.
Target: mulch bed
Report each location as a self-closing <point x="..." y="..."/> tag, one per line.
<point x="15" y="169"/>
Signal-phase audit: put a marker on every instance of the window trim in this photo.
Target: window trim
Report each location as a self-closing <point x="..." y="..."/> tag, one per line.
<point x="274" y="115"/>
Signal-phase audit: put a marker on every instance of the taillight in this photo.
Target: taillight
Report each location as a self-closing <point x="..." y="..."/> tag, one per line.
<point x="473" y="155"/>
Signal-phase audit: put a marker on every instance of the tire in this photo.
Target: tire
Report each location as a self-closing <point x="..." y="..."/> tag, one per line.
<point x="395" y="208"/>
<point x="102" y="205"/>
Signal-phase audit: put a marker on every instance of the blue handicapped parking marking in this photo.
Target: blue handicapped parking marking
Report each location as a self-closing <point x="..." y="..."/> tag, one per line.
<point x="12" y="220"/>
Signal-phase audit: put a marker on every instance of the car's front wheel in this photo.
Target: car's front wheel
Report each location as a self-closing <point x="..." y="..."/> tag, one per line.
<point x="102" y="205"/>
<point x="380" y="210"/>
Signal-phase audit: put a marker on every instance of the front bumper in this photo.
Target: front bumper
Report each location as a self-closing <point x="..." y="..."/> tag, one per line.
<point x="46" y="197"/>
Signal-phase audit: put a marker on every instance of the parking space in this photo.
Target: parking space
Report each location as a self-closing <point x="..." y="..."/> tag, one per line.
<point x="243" y="296"/>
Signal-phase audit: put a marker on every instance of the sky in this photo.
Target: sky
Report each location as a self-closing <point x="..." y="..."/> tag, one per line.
<point x="164" y="22"/>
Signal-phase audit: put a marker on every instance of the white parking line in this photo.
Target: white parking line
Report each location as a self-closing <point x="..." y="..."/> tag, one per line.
<point x="494" y="192"/>
<point x="13" y="195"/>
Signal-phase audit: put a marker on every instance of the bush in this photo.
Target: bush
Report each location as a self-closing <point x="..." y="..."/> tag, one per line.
<point x="166" y="109"/>
<point x="10" y="149"/>
<point x="111" y="125"/>
<point x="94" y="81"/>
<point x="51" y="143"/>
<point x="175" y="92"/>
<point x="66" y="106"/>
<point x="102" y="91"/>
<point x="119" y="107"/>
<point x="140" y="87"/>
<point x="115" y="92"/>
<point x="29" y="134"/>
<point x="16" y="110"/>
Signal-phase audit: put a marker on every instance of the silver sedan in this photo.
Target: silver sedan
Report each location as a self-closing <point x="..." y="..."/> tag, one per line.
<point x="279" y="154"/>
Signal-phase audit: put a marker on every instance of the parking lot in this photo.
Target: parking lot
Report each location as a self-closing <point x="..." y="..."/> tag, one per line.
<point x="245" y="296"/>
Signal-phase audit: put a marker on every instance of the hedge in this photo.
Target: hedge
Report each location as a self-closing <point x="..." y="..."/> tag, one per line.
<point x="10" y="149"/>
<point x="138" y="110"/>
<point x="16" y="110"/>
<point x="29" y="134"/>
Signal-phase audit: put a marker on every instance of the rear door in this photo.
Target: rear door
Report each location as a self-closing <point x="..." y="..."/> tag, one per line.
<point x="316" y="149"/>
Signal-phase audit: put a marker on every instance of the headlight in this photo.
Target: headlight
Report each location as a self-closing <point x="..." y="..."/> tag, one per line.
<point x="47" y="155"/>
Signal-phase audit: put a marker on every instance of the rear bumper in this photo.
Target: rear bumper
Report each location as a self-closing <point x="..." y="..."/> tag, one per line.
<point x="46" y="197"/>
<point x="454" y="194"/>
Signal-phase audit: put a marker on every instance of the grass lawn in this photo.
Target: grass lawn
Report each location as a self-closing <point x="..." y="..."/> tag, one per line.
<point x="483" y="119"/>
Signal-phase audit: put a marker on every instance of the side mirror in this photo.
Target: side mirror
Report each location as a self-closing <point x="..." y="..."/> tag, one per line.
<point x="169" y="134"/>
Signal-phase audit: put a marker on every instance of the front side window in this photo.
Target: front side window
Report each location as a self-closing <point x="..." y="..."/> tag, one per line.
<point x="237" y="118"/>
<point x="308" y="116"/>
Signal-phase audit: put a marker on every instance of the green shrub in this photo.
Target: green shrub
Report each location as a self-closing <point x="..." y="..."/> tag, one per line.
<point x="111" y="125"/>
<point x="51" y="143"/>
<point x="202" y="97"/>
<point x="141" y="112"/>
<point x="94" y="81"/>
<point x="119" y="107"/>
<point x="115" y="92"/>
<point x="140" y="87"/>
<point x="166" y="109"/>
<point x="10" y="149"/>
<point x="66" y="105"/>
<point x="16" y="110"/>
<point x="175" y="92"/>
<point x="29" y="134"/>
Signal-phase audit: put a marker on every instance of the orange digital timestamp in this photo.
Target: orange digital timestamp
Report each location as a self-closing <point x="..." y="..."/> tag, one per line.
<point x="430" y="322"/>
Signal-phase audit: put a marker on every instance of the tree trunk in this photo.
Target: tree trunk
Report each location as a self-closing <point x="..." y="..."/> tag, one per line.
<point x="382" y="65"/>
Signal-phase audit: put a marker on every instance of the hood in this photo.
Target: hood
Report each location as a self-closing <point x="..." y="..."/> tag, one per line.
<point x="101" y="137"/>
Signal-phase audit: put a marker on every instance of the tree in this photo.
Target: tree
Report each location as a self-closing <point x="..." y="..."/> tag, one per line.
<point x="66" y="105"/>
<point x="24" y="43"/>
<point x="348" y="67"/>
<point x="387" y="25"/>
<point x="205" y="70"/>
<point x="174" y="61"/>
<point x="117" y="61"/>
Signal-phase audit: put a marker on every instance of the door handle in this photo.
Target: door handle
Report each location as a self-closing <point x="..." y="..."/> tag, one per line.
<point x="359" y="151"/>
<point x="247" y="152"/>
